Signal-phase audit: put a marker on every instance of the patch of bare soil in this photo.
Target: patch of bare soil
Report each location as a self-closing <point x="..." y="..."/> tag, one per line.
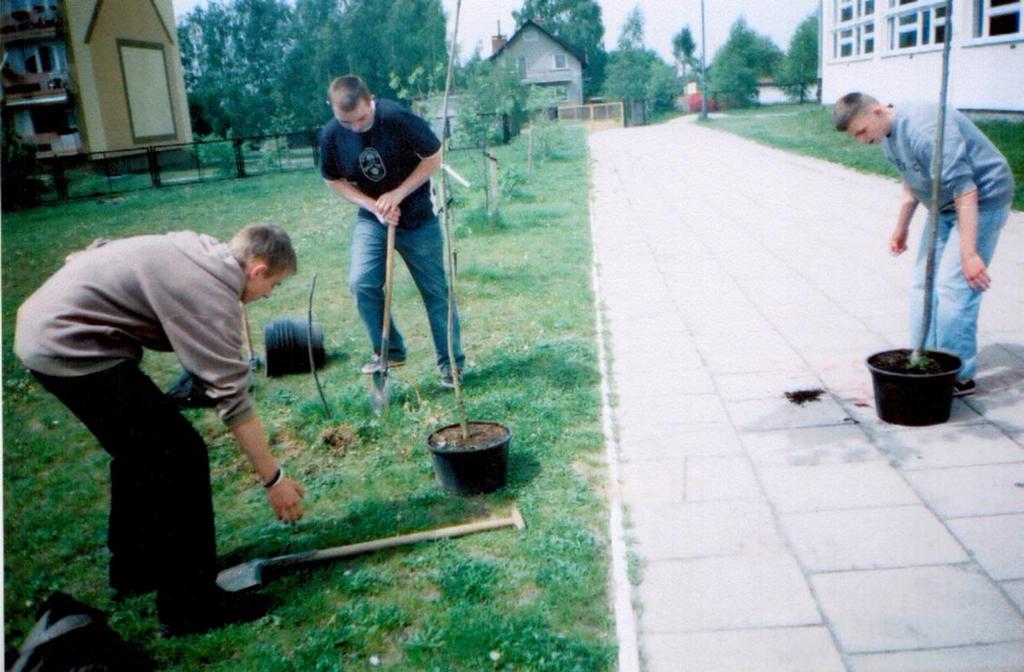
<point x="481" y="435"/>
<point x="339" y="438"/>
<point x="801" y="397"/>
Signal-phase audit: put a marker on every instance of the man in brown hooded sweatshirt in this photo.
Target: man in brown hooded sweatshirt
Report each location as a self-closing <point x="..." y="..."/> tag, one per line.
<point x="82" y="335"/>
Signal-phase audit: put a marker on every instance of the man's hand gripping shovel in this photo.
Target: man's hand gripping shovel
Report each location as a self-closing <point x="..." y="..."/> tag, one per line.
<point x="380" y="393"/>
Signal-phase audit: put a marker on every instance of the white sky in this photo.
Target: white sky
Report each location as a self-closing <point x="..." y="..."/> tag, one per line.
<point x="663" y="18"/>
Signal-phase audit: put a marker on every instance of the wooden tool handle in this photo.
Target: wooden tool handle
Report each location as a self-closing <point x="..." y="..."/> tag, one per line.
<point x="513" y="520"/>
<point x="389" y="274"/>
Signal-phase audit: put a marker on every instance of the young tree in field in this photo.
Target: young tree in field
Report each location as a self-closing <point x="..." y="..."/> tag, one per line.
<point x="683" y="48"/>
<point x="800" y="69"/>
<point x="578" y="24"/>
<point x="744" y="57"/>
<point x="636" y="73"/>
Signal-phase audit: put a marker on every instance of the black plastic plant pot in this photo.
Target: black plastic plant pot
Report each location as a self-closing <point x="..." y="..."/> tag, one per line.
<point x="470" y="466"/>
<point x="287" y="343"/>
<point x="908" y="396"/>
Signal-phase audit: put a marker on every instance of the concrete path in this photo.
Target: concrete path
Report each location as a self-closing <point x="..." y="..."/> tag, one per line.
<point x="773" y="536"/>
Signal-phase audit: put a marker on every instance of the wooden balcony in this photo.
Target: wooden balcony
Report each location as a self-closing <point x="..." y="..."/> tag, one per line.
<point x="24" y="87"/>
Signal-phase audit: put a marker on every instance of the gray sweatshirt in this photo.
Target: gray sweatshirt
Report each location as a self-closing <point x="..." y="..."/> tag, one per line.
<point x="969" y="160"/>
<point x="180" y="291"/>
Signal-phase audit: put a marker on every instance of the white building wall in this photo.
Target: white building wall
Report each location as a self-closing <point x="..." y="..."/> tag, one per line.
<point x="985" y="73"/>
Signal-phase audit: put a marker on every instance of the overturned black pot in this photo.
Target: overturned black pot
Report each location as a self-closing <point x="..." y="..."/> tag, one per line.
<point x="912" y="397"/>
<point x="473" y="466"/>
<point x="288" y="342"/>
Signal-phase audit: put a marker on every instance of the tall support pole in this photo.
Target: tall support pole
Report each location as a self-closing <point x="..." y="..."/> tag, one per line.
<point x="933" y="210"/>
<point x="703" y="66"/>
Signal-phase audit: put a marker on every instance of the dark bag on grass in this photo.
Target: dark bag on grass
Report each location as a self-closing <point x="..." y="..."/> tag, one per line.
<point x="73" y="637"/>
<point x="190" y="392"/>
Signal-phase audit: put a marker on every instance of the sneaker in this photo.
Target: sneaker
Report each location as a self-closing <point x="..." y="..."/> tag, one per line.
<point x="373" y="366"/>
<point x="193" y="616"/>
<point x="964" y="388"/>
<point x="447" y="381"/>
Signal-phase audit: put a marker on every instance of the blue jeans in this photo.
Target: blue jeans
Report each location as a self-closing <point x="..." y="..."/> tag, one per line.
<point x="955" y="306"/>
<point x="422" y="249"/>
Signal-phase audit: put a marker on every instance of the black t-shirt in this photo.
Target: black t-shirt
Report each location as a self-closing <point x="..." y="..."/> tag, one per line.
<point x="380" y="159"/>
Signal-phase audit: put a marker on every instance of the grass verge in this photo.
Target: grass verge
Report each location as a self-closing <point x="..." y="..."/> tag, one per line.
<point x="508" y="600"/>
<point x="808" y="130"/>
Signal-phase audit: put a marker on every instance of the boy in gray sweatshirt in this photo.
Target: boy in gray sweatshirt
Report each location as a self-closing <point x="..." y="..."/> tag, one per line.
<point x="975" y="191"/>
<point x="82" y="335"/>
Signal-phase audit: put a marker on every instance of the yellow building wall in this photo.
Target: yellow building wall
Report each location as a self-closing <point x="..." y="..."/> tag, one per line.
<point x="102" y="98"/>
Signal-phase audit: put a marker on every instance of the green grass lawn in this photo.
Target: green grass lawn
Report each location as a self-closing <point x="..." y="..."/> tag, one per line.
<point x="532" y="600"/>
<point x="808" y="129"/>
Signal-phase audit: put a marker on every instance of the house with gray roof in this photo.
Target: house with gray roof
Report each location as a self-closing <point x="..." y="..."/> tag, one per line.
<point x="542" y="59"/>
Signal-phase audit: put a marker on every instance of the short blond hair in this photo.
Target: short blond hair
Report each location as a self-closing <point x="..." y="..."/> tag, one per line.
<point x="267" y="242"/>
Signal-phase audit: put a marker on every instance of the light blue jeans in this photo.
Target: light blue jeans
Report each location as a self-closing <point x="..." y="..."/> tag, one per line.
<point x="955" y="306"/>
<point x="422" y="249"/>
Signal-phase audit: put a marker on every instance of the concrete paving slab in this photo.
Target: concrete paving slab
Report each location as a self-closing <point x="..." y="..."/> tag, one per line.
<point x="807" y="649"/>
<point x="997" y="542"/>
<point x="1015" y="589"/>
<point x="705" y="529"/>
<point x="944" y="446"/>
<point x="960" y="414"/>
<point x="808" y="446"/>
<point x="915" y="608"/>
<point x="1004" y="408"/>
<point x="748" y="386"/>
<point x="961" y="492"/>
<point x="653" y="481"/>
<point x="760" y="415"/>
<point x="831" y="541"/>
<point x="655" y="409"/>
<point x="992" y="658"/>
<point x="720" y="478"/>
<point x="827" y="487"/>
<point x="764" y="591"/>
<point x="678" y="440"/>
<point x="649" y="378"/>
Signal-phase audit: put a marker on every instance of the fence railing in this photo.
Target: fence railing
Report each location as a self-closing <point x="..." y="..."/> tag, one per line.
<point x="594" y="115"/>
<point x="67" y="178"/>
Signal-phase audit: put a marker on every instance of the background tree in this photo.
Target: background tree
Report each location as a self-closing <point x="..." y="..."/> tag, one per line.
<point x="683" y="48"/>
<point x="259" y="66"/>
<point x="745" y="56"/>
<point x="577" y="23"/>
<point x="800" y="69"/>
<point x="636" y="73"/>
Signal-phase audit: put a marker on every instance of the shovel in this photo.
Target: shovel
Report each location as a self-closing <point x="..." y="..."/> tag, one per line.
<point x="380" y="394"/>
<point x="250" y="574"/>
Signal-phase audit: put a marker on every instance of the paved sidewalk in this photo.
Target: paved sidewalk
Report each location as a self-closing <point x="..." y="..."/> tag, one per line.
<point x="782" y="537"/>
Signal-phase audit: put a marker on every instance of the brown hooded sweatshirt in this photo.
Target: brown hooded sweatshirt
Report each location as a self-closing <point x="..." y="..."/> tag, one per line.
<point x="180" y="291"/>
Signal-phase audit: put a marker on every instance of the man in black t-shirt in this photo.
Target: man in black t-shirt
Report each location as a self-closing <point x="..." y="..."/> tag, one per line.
<point x="380" y="156"/>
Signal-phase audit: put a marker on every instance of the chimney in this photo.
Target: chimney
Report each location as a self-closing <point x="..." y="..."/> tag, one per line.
<point x="498" y="41"/>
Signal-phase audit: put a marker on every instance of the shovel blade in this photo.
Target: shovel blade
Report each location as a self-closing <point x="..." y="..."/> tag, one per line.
<point x="380" y="392"/>
<point x="241" y="577"/>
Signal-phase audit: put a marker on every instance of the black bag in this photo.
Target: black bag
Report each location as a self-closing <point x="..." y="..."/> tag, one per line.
<point x="73" y="637"/>
<point x="190" y="392"/>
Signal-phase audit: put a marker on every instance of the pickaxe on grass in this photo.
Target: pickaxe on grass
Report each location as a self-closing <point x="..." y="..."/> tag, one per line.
<point x="250" y="574"/>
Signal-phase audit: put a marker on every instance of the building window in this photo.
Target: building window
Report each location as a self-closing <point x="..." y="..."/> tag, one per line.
<point x="916" y="23"/>
<point x="854" y="33"/>
<point x="147" y="90"/>
<point x="560" y="63"/>
<point x="998" y="17"/>
<point x="521" y="66"/>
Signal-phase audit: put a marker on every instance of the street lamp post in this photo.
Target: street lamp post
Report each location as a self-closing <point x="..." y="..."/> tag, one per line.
<point x="703" y="67"/>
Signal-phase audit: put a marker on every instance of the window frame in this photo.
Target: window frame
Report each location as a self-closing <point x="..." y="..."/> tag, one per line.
<point x="565" y="60"/>
<point x="855" y="33"/>
<point x="926" y="25"/>
<point x="984" y="11"/>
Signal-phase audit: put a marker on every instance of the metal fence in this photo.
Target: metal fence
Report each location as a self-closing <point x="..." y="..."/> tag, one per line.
<point x="106" y="173"/>
<point x="594" y="115"/>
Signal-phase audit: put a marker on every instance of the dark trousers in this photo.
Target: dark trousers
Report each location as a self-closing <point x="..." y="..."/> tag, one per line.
<point x="161" y="529"/>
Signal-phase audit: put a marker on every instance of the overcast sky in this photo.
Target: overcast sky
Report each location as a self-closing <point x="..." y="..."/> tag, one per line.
<point x="663" y="18"/>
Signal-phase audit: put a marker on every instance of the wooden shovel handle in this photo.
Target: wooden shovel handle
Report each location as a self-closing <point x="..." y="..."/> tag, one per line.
<point x="515" y="519"/>
<point x="389" y="275"/>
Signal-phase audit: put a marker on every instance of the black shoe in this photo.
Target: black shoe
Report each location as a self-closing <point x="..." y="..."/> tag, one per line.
<point x="193" y="616"/>
<point x="448" y="381"/>
<point x="964" y="389"/>
<point x="373" y="366"/>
